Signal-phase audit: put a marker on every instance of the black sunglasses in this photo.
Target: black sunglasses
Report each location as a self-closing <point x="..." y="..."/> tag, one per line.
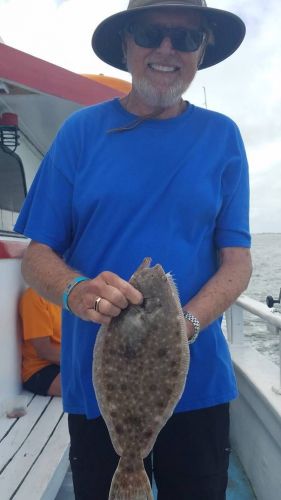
<point x="150" y="36"/>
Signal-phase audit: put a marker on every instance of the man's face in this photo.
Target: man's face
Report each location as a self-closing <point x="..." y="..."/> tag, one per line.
<point x="161" y="75"/>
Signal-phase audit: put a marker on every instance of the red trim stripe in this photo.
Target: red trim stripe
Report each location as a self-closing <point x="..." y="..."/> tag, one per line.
<point x="31" y="72"/>
<point x="12" y="249"/>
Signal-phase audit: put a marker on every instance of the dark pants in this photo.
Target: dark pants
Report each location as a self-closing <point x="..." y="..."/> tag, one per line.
<point x="190" y="456"/>
<point x="40" y="382"/>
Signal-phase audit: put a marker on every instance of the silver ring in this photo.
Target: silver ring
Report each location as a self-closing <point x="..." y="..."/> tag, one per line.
<point x="97" y="304"/>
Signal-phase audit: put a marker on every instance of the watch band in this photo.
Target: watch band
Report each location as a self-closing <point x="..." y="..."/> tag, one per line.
<point x="196" y="325"/>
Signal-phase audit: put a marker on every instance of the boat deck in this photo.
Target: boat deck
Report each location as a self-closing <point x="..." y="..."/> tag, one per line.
<point x="238" y="484"/>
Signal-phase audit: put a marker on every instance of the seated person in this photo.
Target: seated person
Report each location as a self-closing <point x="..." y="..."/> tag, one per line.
<point x="41" y="343"/>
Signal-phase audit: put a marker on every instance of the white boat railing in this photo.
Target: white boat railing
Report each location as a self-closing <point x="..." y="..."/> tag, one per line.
<point x="235" y="323"/>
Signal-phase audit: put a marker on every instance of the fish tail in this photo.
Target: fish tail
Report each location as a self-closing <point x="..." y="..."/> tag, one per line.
<point x="130" y="482"/>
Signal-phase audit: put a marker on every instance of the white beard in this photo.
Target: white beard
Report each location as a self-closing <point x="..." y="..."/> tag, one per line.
<point x="154" y="97"/>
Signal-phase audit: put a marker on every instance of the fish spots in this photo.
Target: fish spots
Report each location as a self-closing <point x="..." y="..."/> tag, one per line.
<point x="110" y="387"/>
<point x="147" y="434"/>
<point x="108" y="374"/>
<point x="132" y="455"/>
<point x="140" y="367"/>
<point x="134" y="421"/>
<point x="161" y="353"/>
<point x="129" y="352"/>
<point x="161" y="403"/>
<point x="129" y="469"/>
<point x="119" y="429"/>
<point x="151" y="304"/>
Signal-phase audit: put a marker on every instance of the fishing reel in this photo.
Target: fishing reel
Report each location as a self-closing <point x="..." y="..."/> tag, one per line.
<point x="270" y="301"/>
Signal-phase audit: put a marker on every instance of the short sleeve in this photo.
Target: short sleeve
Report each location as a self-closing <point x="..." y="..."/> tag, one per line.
<point x="46" y="216"/>
<point x="232" y="224"/>
<point x="35" y="316"/>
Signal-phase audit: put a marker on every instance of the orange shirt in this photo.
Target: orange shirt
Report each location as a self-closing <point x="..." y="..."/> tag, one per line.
<point x="39" y="318"/>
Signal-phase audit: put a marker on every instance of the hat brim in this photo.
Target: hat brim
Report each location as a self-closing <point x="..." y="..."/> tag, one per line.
<point x="228" y="33"/>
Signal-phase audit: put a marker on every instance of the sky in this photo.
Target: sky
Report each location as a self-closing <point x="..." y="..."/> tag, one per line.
<point x="246" y="86"/>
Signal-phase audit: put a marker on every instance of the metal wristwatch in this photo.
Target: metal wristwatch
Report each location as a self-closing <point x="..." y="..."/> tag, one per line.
<point x="196" y="325"/>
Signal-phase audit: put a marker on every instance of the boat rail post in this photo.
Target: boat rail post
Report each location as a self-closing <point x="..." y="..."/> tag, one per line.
<point x="277" y="390"/>
<point x="235" y="324"/>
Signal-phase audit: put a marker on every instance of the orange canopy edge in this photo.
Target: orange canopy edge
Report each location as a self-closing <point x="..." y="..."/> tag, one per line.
<point x="110" y="81"/>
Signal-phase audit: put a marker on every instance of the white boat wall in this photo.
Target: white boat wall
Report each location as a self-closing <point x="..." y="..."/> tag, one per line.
<point x="35" y="98"/>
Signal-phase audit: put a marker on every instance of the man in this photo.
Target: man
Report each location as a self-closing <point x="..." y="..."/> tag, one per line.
<point x="41" y="343"/>
<point x="147" y="175"/>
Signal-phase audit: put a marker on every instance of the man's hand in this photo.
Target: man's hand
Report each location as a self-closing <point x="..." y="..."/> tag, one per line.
<point x="47" y="273"/>
<point x="114" y="292"/>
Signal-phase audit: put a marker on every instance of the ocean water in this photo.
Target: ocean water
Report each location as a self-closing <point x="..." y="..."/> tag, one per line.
<point x="266" y="280"/>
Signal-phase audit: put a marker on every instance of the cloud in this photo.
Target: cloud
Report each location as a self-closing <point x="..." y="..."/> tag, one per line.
<point x="57" y="31"/>
<point x="246" y="86"/>
<point x="265" y="169"/>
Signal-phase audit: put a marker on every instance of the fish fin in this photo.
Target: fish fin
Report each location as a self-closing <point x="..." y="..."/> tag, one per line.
<point x="128" y="484"/>
<point x="180" y="311"/>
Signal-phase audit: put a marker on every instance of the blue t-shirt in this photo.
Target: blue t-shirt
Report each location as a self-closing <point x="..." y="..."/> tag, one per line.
<point x="176" y="190"/>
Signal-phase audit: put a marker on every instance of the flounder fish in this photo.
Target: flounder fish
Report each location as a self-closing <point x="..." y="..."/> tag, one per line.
<point x="140" y="365"/>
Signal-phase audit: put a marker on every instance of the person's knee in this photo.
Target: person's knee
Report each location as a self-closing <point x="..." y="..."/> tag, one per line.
<point x="55" y="387"/>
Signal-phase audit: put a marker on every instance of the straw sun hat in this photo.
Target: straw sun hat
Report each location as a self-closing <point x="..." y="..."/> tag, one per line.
<point x="228" y="30"/>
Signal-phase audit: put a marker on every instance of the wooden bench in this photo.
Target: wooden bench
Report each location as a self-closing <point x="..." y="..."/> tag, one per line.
<point x="34" y="450"/>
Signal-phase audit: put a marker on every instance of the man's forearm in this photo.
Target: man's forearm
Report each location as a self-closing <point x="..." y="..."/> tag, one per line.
<point x="223" y="288"/>
<point x="46" y="272"/>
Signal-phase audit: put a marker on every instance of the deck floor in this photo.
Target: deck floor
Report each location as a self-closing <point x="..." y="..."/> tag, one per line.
<point x="238" y="484"/>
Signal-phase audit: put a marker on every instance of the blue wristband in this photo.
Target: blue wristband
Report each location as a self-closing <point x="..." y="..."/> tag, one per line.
<point x="69" y="288"/>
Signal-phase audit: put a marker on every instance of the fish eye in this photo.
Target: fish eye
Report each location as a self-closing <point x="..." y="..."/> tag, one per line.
<point x="150" y="304"/>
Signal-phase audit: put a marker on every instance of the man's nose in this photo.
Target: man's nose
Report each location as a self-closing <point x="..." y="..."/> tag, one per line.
<point x="166" y="45"/>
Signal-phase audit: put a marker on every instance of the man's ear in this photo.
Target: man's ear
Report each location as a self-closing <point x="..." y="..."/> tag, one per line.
<point x="202" y="51"/>
<point x="201" y="56"/>
<point x="209" y="40"/>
